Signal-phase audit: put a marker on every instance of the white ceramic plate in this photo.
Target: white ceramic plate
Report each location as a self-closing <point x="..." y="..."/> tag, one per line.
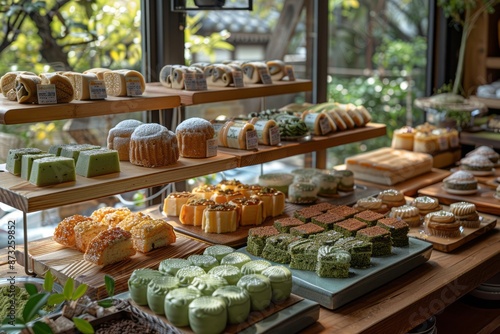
<point x="460" y="192"/>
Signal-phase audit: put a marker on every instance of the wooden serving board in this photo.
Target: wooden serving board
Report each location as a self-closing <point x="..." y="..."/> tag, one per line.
<point x="483" y="199"/>
<point x="449" y="244"/>
<point x="239" y="237"/>
<point x="65" y="262"/>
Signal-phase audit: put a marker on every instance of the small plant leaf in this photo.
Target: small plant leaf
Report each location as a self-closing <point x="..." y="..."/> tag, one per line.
<point x="56" y="298"/>
<point x="31" y="289"/>
<point x="83" y="326"/>
<point x="110" y="285"/>
<point x="79" y="292"/>
<point x="68" y="288"/>
<point x="105" y="303"/>
<point x="48" y="282"/>
<point x="33" y="305"/>
<point x="40" y="327"/>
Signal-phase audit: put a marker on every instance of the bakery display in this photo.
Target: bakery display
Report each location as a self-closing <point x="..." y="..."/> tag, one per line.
<point x="119" y="137"/>
<point x="465" y="214"/>
<point x="153" y="145"/>
<point x="460" y="182"/>
<point x="195" y="138"/>
<point x="442" y="224"/>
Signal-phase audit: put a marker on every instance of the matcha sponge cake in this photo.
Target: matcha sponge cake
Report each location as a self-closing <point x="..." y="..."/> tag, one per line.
<point x="218" y="251"/>
<point x="177" y="305"/>
<point x="157" y="290"/>
<point x="333" y="262"/>
<point x="399" y="230"/>
<point x="379" y="237"/>
<point x="360" y="251"/>
<point x="208" y="315"/>
<point x="14" y="159"/>
<point x="230" y="273"/>
<point x="237" y="301"/>
<point x="303" y="253"/>
<point x="281" y="282"/>
<point x="172" y="265"/>
<point x="257" y="238"/>
<point x="259" y="288"/>
<point x="276" y="248"/>
<point x="208" y="283"/>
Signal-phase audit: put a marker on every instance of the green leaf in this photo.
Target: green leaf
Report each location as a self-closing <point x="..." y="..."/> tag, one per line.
<point x="56" y="298"/>
<point x="13" y="328"/>
<point x="48" y="282"/>
<point x="68" y="288"/>
<point x="109" y="282"/>
<point x="33" y="305"/>
<point x="40" y="327"/>
<point x="79" y="292"/>
<point x="31" y="288"/>
<point x="105" y="303"/>
<point x="83" y="326"/>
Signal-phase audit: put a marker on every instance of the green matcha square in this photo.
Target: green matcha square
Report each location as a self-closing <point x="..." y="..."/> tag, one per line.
<point x="52" y="170"/>
<point x="57" y="148"/>
<point x="27" y="163"/>
<point x="97" y="162"/>
<point x="14" y="159"/>
<point x="73" y="151"/>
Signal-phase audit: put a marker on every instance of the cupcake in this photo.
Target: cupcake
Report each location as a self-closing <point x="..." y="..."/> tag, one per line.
<point x="485" y="151"/>
<point x="371" y="203"/>
<point x="476" y="163"/>
<point x="442" y="224"/>
<point x="392" y="198"/>
<point x="426" y="204"/>
<point x="408" y="213"/>
<point x="460" y="181"/>
<point x="466" y="214"/>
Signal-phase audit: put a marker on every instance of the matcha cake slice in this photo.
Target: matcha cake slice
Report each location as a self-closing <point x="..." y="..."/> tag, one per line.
<point x="333" y="262"/>
<point x="303" y="254"/>
<point x="369" y="217"/>
<point x="276" y="248"/>
<point x="327" y="220"/>
<point x="306" y="230"/>
<point x="14" y="159"/>
<point x="257" y="238"/>
<point x="97" y="162"/>
<point x="306" y="214"/>
<point x="349" y="227"/>
<point x="399" y="230"/>
<point x="27" y="163"/>
<point x="344" y="211"/>
<point x="328" y="237"/>
<point x="379" y="237"/>
<point x="73" y="151"/>
<point x="285" y="224"/>
<point x="52" y="170"/>
<point x="360" y="251"/>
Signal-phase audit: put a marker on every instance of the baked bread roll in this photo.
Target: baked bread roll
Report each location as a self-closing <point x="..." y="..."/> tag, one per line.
<point x="110" y="246"/>
<point x="26" y="89"/>
<point x="64" y="232"/>
<point x="219" y="75"/>
<point x="119" y="137"/>
<point x="8" y="84"/>
<point x="133" y="219"/>
<point x="99" y="71"/>
<point x="192" y="212"/>
<point x="64" y="90"/>
<point x="264" y="128"/>
<point x="85" y="231"/>
<point x="252" y="72"/>
<point x="152" y="234"/>
<point x="195" y="137"/>
<point x="112" y="219"/>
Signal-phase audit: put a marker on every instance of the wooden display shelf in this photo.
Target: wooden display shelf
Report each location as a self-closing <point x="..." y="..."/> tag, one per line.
<point x="27" y="197"/>
<point x="14" y="113"/>
<point x="218" y="94"/>
<point x="489" y="102"/>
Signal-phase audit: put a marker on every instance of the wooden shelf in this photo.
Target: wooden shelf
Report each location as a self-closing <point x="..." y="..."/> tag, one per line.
<point x="489" y="102"/>
<point x="189" y="98"/>
<point x="14" y="113"/>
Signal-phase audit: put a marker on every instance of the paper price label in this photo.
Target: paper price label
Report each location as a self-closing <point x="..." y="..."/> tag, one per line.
<point x="212" y="147"/>
<point x="190" y="81"/>
<point x="133" y="86"/>
<point x="97" y="90"/>
<point x="238" y="78"/>
<point x="252" y="140"/>
<point x="201" y="81"/>
<point x="289" y="72"/>
<point x="265" y="76"/>
<point x="324" y="125"/>
<point x="46" y="94"/>
<point x="274" y="136"/>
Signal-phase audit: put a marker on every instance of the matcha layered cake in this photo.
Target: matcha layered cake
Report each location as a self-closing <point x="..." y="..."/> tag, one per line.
<point x="327" y="220"/>
<point x="327" y="238"/>
<point x="257" y="238"/>
<point x="73" y="151"/>
<point x="285" y="224"/>
<point x="303" y="253"/>
<point x="344" y="211"/>
<point x="360" y="251"/>
<point x="333" y="262"/>
<point x="276" y="248"/>
<point x="97" y="162"/>
<point x="379" y="237"/>
<point x="52" y="170"/>
<point x="369" y="217"/>
<point x="14" y="159"/>
<point x="306" y="214"/>
<point x="323" y="206"/>
<point x="399" y="230"/>
<point x="349" y="227"/>
<point x="306" y="230"/>
<point x="27" y="163"/>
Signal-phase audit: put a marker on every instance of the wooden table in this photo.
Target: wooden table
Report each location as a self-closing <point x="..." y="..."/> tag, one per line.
<point x="408" y="300"/>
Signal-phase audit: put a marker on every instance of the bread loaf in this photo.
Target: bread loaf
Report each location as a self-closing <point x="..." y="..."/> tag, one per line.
<point x="110" y="246"/>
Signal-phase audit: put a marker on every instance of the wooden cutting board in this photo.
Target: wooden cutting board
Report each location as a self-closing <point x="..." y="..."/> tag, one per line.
<point x="483" y="199"/>
<point x="65" y="262"/>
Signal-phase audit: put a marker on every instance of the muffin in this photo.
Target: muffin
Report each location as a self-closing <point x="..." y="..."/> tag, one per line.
<point x="119" y="137"/>
<point x="460" y="181"/>
<point x="476" y="163"/>
<point x="426" y="204"/>
<point x="408" y="213"/>
<point x="195" y="137"/>
<point x="486" y="152"/>
<point x="442" y="224"/>
<point x="153" y="145"/>
<point x="371" y="203"/>
<point x="466" y="214"/>
<point x="392" y="198"/>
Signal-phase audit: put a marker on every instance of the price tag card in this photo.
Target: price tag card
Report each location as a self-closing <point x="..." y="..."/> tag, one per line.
<point x="201" y="81"/>
<point x="265" y="76"/>
<point x="274" y="136"/>
<point x="97" y="90"/>
<point x="238" y="78"/>
<point x="289" y="72"/>
<point x="190" y="81"/>
<point x="212" y="147"/>
<point x="46" y="94"/>
<point x="252" y="140"/>
<point x="324" y="125"/>
<point x="133" y="86"/>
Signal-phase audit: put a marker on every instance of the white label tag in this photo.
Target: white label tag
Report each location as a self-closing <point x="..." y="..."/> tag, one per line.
<point x="190" y="81"/>
<point x="274" y="136"/>
<point x="289" y="72"/>
<point x="211" y="147"/>
<point x="324" y="125"/>
<point x="238" y="78"/>
<point x="252" y="140"/>
<point x="133" y="86"/>
<point x="97" y="90"/>
<point x="201" y="81"/>
<point x="46" y="93"/>
<point x="265" y="76"/>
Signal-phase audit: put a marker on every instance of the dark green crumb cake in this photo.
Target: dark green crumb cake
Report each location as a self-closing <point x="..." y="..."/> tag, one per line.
<point x="303" y="253"/>
<point x="276" y="248"/>
<point x="327" y="238"/>
<point x="333" y="262"/>
<point x="399" y="230"/>
<point x="379" y="237"/>
<point x="344" y="211"/>
<point x="360" y="251"/>
<point x="257" y="238"/>
<point x="284" y="224"/>
<point x="306" y="230"/>
<point x="369" y="217"/>
<point x="306" y="214"/>
<point x="327" y="220"/>
<point x="323" y="206"/>
<point x="349" y="227"/>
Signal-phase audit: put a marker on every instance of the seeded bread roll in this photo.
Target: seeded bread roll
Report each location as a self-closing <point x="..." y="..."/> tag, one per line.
<point x="110" y="246"/>
<point x="64" y="233"/>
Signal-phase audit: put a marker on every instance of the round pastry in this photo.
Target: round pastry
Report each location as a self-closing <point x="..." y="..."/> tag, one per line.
<point x="408" y="213"/>
<point x="237" y="301"/>
<point x="218" y="251"/>
<point x="327" y="184"/>
<point x="230" y="273"/>
<point x="461" y="181"/>
<point x="235" y="259"/>
<point x="195" y="137"/>
<point x="192" y="211"/>
<point x="281" y="282"/>
<point x="302" y="192"/>
<point x="208" y="283"/>
<point x="485" y="151"/>
<point x="466" y="214"/>
<point x="153" y="145"/>
<point x="371" y="203"/>
<point x="157" y="290"/>
<point x="279" y="181"/>
<point x="208" y="315"/>
<point x="476" y="163"/>
<point x="64" y="232"/>
<point x="259" y="288"/>
<point x="403" y="138"/>
<point x="442" y="224"/>
<point x="206" y="262"/>
<point x="177" y="305"/>
<point x="187" y="274"/>
<point x="426" y="204"/>
<point x="255" y="267"/>
<point x="85" y="231"/>
<point x="114" y="218"/>
<point x="98" y="214"/>
<point x="392" y="198"/>
<point x="138" y="284"/>
<point x="172" y="265"/>
<point x="119" y="137"/>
